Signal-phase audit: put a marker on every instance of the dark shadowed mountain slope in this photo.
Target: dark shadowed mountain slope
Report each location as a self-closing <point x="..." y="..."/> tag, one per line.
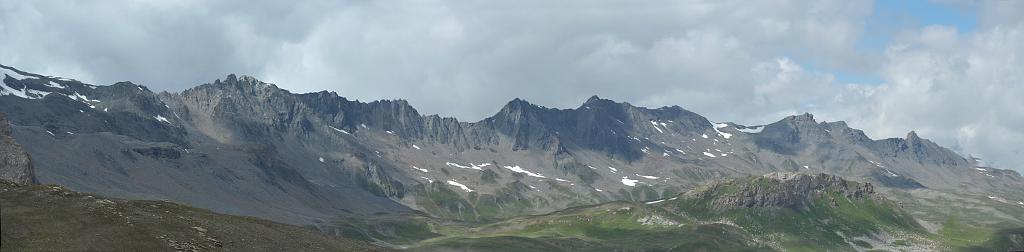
<point x="53" y="218"/>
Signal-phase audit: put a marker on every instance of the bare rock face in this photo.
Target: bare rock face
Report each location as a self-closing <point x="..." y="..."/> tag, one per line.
<point x="15" y="163"/>
<point x="784" y="190"/>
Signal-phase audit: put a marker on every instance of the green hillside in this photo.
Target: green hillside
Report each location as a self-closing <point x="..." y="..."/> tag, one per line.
<point x="755" y="213"/>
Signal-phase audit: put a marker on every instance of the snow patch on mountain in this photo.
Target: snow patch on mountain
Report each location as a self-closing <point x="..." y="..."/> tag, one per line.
<point x="646" y="176"/>
<point x="629" y="182"/>
<point x="470" y="166"/>
<point x="16" y="92"/>
<point x="54" y="85"/>
<point x="12" y="74"/>
<point x="654" y="202"/>
<point x="656" y="127"/>
<point x="36" y="93"/>
<point x="661" y="200"/>
<point x="340" y="130"/>
<point x="720" y="133"/>
<point x="891" y="174"/>
<point x="464" y="187"/>
<point x="751" y="129"/>
<point x="518" y="169"/>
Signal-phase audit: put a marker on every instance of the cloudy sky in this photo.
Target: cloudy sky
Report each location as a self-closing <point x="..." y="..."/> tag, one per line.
<point x="953" y="70"/>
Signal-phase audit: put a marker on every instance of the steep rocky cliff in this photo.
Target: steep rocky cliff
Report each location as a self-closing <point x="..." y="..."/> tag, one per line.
<point x="15" y="163"/>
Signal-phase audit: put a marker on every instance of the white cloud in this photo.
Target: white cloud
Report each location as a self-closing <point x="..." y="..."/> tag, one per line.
<point x="962" y="90"/>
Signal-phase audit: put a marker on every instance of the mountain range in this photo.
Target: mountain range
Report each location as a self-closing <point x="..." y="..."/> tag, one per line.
<point x="241" y="146"/>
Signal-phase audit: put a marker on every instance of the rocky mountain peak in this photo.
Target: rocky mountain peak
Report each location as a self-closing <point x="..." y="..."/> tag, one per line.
<point x="595" y="101"/>
<point x="792" y="134"/>
<point x="918" y="149"/>
<point x="913" y="137"/>
<point x="247" y="78"/>
<point x="803" y="122"/>
<point x="518" y="106"/>
<point x="245" y="83"/>
<point x="805" y="117"/>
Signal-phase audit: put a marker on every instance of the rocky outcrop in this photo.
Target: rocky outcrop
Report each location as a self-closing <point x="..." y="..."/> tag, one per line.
<point x="781" y="190"/>
<point x="15" y="163"/>
<point x="445" y="130"/>
<point x="378" y="182"/>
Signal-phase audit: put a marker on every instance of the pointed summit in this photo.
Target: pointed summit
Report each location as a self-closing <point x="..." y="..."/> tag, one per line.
<point x="518" y="105"/>
<point x="517" y="100"/>
<point x="595" y="101"/>
<point x="912" y="136"/>
<point x="805" y="120"/>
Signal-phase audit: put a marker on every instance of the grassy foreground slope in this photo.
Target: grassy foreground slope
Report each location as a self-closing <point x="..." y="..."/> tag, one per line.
<point x="53" y="218"/>
<point x="616" y="226"/>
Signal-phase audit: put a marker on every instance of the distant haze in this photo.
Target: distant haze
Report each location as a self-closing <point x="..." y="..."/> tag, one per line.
<point x="952" y="70"/>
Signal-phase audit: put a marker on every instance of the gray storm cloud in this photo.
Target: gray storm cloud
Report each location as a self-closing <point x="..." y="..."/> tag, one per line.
<point x="750" y="62"/>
